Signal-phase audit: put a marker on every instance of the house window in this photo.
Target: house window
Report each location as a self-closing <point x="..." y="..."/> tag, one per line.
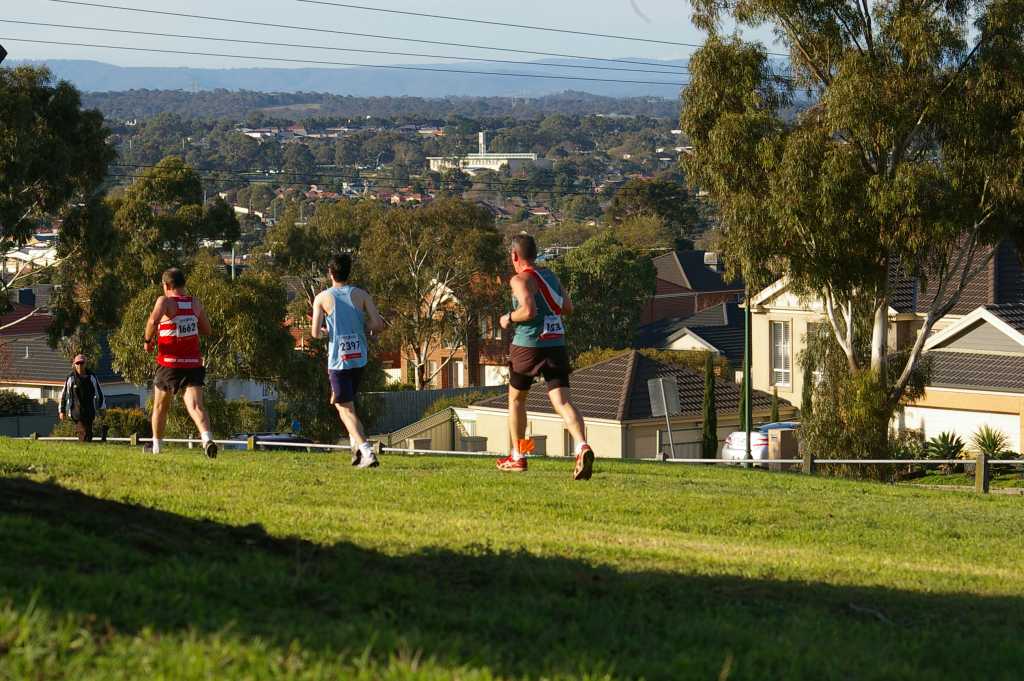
<point x="781" y="353"/>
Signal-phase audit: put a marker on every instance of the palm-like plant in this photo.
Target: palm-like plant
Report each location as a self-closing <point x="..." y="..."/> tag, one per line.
<point x="945" y="445"/>
<point x="991" y="442"/>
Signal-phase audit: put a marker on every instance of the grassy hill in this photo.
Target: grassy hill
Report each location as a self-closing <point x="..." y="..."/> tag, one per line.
<point x="118" y="566"/>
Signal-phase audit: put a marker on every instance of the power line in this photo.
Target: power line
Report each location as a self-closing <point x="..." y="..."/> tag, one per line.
<point x="359" y="35"/>
<point x="326" y="47"/>
<point x="340" y="63"/>
<point x="499" y="23"/>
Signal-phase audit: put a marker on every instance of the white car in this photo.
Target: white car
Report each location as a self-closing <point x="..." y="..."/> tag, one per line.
<point x="735" y="447"/>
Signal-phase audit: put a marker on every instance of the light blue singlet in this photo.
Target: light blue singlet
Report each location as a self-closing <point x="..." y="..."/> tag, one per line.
<point x="346" y="330"/>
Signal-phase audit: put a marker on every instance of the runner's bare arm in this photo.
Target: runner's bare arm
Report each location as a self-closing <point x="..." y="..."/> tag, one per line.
<point x="153" y="323"/>
<point x="318" y="317"/>
<point x="373" y="319"/>
<point x="205" y="328"/>
<point x="526" y="309"/>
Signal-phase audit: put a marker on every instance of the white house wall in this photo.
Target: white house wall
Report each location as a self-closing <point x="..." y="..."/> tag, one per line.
<point x="933" y="421"/>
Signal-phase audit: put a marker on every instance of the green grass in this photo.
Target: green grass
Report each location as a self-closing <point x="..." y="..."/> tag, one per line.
<point x="1010" y="479"/>
<point x="114" y="565"/>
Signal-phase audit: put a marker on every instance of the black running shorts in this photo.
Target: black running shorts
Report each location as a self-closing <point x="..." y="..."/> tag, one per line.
<point x="525" y="364"/>
<point x="173" y="380"/>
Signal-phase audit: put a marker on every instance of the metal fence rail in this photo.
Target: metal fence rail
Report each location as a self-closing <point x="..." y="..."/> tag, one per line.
<point x="808" y="464"/>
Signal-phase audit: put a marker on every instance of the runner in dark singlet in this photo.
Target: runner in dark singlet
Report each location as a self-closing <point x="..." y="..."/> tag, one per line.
<point x="538" y="349"/>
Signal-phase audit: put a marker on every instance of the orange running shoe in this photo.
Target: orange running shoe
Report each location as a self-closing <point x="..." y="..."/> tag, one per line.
<point x="584" y="464"/>
<point x="510" y="465"/>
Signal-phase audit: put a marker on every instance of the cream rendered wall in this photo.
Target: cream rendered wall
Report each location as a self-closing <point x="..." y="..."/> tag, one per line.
<point x="786" y="306"/>
<point x="688" y="342"/>
<point x="604" y="436"/>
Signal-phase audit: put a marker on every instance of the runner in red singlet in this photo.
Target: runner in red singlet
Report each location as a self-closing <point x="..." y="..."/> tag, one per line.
<point x="179" y="319"/>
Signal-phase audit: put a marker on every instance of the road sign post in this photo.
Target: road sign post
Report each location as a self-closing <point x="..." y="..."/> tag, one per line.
<point x="664" y="394"/>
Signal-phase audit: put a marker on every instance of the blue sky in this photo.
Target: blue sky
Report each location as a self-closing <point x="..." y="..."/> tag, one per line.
<point x="657" y="19"/>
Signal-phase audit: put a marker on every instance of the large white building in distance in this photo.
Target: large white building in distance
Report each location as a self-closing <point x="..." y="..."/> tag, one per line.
<point x="473" y="163"/>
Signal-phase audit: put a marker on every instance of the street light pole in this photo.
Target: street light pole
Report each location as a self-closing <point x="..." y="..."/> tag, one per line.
<point x="748" y="407"/>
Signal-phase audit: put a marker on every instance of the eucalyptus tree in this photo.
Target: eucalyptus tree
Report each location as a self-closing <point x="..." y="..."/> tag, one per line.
<point x="891" y="143"/>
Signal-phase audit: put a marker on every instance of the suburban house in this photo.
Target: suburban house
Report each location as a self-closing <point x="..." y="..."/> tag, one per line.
<point x="613" y="398"/>
<point x="34" y="369"/>
<point x="780" y="319"/>
<point x="688" y="282"/>
<point x="717" y="329"/>
<point x="977" y="377"/>
<point x="481" y="361"/>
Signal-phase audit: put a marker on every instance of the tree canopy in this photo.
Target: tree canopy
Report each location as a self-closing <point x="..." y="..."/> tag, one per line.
<point x="906" y="157"/>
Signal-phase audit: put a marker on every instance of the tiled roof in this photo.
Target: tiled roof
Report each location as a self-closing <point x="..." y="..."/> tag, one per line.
<point x="36" y="324"/>
<point x="720" y="325"/>
<point x="1002" y="281"/>
<point x="701" y="276"/>
<point x="1011" y="313"/>
<point x="977" y="371"/>
<point x="1009" y="275"/>
<point x="686" y="269"/>
<point x="30" y="359"/>
<point x="616" y="389"/>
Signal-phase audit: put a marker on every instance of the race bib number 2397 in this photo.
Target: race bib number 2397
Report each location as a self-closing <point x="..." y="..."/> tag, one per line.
<point x="350" y="347"/>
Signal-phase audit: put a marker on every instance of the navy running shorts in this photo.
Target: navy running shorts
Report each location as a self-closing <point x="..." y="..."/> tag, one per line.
<point x="345" y="384"/>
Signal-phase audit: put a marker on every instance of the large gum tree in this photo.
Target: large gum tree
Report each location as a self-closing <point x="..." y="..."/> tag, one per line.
<point x="891" y="139"/>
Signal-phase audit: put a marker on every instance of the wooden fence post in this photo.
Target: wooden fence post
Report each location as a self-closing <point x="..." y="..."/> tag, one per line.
<point x="133" y="440"/>
<point x="33" y="436"/>
<point x="808" y="466"/>
<point x="982" y="475"/>
<point x="250" y="443"/>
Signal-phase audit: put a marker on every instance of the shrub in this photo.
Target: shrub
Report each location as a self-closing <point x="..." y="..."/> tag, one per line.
<point x="458" y="401"/>
<point x="691" y="359"/>
<point x="120" y="423"/>
<point x="991" y="442"/>
<point x="227" y="417"/>
<point x="945" y="445"/>
<point x="14" y="404"/>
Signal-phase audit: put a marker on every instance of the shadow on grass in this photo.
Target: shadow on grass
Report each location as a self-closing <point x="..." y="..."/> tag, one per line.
<point x="514" y="613"/>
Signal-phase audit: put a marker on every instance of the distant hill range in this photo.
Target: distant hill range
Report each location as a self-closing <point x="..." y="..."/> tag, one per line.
<point x="93" y="76"/>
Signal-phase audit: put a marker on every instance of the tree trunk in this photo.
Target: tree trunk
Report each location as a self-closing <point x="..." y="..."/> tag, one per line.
<point x="880" y="338"/>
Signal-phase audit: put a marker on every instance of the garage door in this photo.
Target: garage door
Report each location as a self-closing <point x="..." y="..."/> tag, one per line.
<point x="963" y="423"/>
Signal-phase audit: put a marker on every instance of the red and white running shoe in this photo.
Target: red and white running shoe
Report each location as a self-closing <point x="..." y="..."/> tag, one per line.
<point x="584" y="464"/>
<point x="510" y="465"/>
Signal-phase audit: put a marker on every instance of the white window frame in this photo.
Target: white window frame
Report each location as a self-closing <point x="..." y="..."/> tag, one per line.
<point x="781" y="376"/>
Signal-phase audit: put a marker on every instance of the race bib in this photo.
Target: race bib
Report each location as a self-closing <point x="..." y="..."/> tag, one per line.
<point x="553" y="327"/>
<point x="186" y="326"/>
<point x="350" y="347"/>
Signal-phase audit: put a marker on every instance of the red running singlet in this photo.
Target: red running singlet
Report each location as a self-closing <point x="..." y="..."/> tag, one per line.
<point x="178" y="343"/>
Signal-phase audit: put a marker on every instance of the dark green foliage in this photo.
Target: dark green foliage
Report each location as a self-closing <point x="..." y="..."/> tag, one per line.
<point x="463" y="400"/>
<point x="607" y="283"/>
<point x="664" y="199"/>
<point x="120" y="423"/>
<point x="14" y="404"/>
<point x="694" y="360"/>
<point x="709" y="433"/>
<point x="945" y="445"/>
<point x="744" y="424"/>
